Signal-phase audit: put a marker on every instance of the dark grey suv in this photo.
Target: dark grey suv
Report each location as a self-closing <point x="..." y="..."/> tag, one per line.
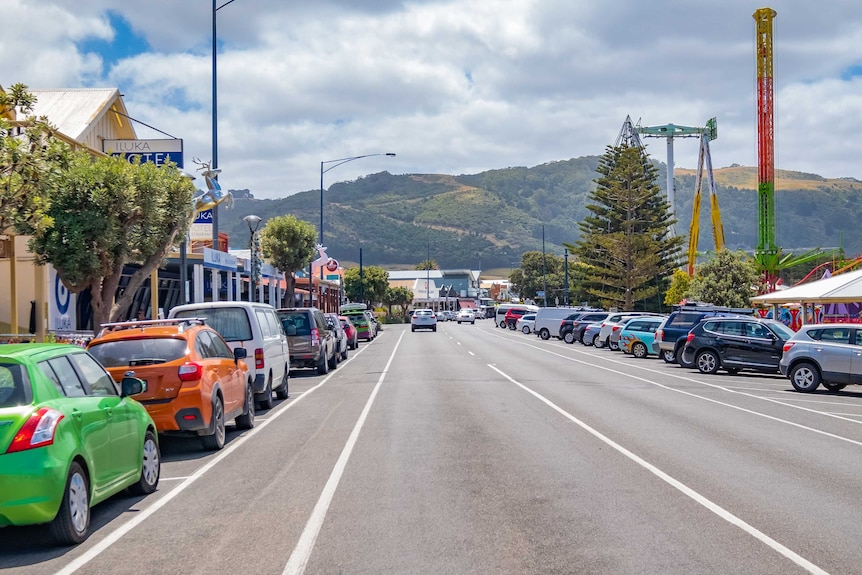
<point x="735" y="343"/>
<point x="312" y="342"/>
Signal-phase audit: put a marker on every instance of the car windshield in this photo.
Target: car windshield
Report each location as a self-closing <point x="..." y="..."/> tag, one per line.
<point x="782" y="330"/>
<point x="231" y="322"/>
<point x="139" y="351"/>
<point x="13" y="385"/>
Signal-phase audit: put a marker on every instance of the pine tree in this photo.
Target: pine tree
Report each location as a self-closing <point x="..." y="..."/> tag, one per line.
<point x="626" y="239"/>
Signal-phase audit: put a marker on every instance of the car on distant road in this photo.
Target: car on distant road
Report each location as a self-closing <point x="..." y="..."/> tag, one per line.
<point x="526" y="323"/>
<point x="466" y="315"/>
<point x="195" y="382"/>
<point x="423" y="319"/>
<point x="828" y="354"/>
<point x="312" y="341"/>
<point x="71" y="438"/>
<point x="735" y="343"/>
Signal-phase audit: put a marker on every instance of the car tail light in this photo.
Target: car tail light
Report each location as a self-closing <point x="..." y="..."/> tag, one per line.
<point x="38" y="431"/>
<point x="315" y="337"/>
<point x="658" y="335"/>
<point x="191" y="371"/>
<point x="787" y="346"/>
<point x="258" y="358"/>
<point x="615" y="328"/>
<point x="689" y="337"/>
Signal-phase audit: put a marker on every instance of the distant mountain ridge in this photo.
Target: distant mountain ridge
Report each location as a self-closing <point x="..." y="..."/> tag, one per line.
<point x="487" y="220"/>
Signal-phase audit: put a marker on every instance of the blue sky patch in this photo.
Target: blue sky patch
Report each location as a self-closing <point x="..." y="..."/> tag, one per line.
<point x="851" y="72"/>
<point x="125" y="43"/>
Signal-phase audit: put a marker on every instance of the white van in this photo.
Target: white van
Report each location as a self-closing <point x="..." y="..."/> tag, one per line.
<point x="256" y="328"/>
<point x="500" y="315"/>
<point x="548" y="320"/>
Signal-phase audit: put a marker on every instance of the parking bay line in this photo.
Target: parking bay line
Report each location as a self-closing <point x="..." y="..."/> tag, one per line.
<point x="676" y="484"/>
<point x="144" y="514"/>
<point x="302" y="552"/>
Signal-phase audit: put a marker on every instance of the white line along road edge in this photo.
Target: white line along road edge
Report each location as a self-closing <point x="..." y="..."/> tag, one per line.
<point x="684" y="489"/>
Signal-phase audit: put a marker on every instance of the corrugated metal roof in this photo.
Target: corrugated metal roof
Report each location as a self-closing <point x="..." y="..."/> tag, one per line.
<point x="842" y="288"/>
<point x="77" y="112"/>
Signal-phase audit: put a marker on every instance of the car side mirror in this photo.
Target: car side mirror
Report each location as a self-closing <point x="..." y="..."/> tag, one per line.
<point x="240" y="353"/>
<point x="133" y="386"/>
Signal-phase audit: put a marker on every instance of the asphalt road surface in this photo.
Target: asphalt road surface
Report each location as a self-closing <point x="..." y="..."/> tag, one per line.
<point x="481" y="450"/>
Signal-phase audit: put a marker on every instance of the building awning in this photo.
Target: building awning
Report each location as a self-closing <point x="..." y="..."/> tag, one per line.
<point x="467" y="303"/>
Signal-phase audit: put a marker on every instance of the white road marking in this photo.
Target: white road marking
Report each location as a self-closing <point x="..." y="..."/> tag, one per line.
<point x="144" y="514"/>
<point x="681" y="487"/>
<point x="302" y="552"/>
<point x="173" y="478"/>
<point x="471" y="353"/>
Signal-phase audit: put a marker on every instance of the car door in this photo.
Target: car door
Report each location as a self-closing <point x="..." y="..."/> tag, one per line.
<point x="728" y="339"/>
<point x="231" y="377"/>
<point x="856" y="358"/>
<point x="835" y="354"/>
<point x="762" y="348"/>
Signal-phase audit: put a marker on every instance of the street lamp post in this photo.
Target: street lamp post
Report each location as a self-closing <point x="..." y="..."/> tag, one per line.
<point x="253" y="222"/>
<point x="335" y="164"/>
<point x="544" y="272"/>
<point x="566" y="279"/>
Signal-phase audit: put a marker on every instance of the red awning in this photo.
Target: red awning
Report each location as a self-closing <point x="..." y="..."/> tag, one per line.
<point x="467" y="303"/>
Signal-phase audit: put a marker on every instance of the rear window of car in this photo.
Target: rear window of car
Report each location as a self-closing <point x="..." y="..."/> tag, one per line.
<point x="14" y="385"/>
<point x="684" y="319"/>
<point x="830" y="334"/>
<point x="231" y="322"/>
<point x="295" y="322"/>
<point x="138" y="352"/>
<point x="423" y="312"/>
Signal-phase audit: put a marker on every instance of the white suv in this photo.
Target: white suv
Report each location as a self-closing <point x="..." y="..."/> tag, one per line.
<point x="256" y="328"/>
<point x="423" y="319"/>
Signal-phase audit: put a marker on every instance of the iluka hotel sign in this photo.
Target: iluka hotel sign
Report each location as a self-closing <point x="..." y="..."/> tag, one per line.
<point x="157" y="152"/>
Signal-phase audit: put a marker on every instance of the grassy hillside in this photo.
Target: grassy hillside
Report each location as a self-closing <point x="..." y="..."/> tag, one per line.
<point x="487" y="220"/>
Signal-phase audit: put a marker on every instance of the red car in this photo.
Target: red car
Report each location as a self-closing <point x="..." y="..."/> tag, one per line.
<point x="350" y="331"/>
<point x="513" y="315"/>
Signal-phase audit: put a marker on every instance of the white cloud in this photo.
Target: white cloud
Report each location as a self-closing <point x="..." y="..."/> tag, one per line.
<point x="454" y="86"/>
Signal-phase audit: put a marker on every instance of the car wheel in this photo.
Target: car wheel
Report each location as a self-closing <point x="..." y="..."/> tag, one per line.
<point x="434" y="328"/>
<point x="569" y="337"/>
<point x="805" y="377"/>
<point x="265" y="400"/>
<point x="833" y="387"/>
<point x="668" y="355"/>
<point x="596" y="341"/>
<point x="614" y="346"/>
<point x="707" y="362"/>
<point x="72" y="522"/>
<point x="502" y="325"/>
<point x="215" y="441"/>
<point x="283" y="389"/>
<point x="686" y="360"/>
<point x="544" y="333"/>
<point x="246" y="420"/>
<point x="322" y="365"/>
<point x="639" y="350"/>
<point x="412" y="328"/>
<point x="344" y="353"/>
<point x="732" y="370"/>
<point x="333" y="361"/>
<point x="150" y="467"/>
<point x="526" y="329"/>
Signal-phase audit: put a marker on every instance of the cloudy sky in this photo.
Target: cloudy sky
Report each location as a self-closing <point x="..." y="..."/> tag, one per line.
<point x="457" y="86"/>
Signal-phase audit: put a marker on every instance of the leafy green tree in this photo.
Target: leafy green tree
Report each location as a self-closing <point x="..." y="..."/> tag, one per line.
<point x="372" y="287"/>
<point x="32" y="163"/>
<point x="625" y="237"/>
<point x="108" y="213"/>
<point x="529" y="279"/>
<point x="427" y="265"/>
<point x="680" y="282"/>
<point x="288" y="243"/>
<point x="400" y="296"/>
<point x="727" y="278"/>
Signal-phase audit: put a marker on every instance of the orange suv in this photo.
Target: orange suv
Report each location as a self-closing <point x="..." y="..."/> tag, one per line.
<point x="195" y="383"/>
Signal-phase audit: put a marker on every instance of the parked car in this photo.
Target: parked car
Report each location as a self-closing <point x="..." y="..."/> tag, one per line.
<point x="195" y="382"/>
<point x="572" y="328"/>
<point x="512" y="316"/>
<point x="591" y="333"/>
<point x="503" y="308"/>
<point x="341" y="346"/>
<point x="423" y="319"/>
<point x="636" y="336"/>
<point x="526" y="323"/>
<point x="70" y="438"/>
<point x="349" y="331"/>
<point x="364" y="328"/>
<point x="255" y="328"/>
<point x="735" y="343"/>
<point x="610" y="334"/>
<point x="465" y="315"/>
<point x="671" y="335"/>
<point x="312" y="342"/>
<point x="828" y="354"/>
<point x="373" y="324"/>
<point x="548" y="320"/>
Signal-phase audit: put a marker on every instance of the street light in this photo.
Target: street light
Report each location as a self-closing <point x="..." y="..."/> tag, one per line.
<point x="253" y="222"/>
<point x="335" y="164"/>
<point x="214" y="164"/>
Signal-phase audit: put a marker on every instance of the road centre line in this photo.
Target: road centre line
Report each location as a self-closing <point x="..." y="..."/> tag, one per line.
<point x="302" y="552"/>
<point x="676" y="484"/>
<point x="719" y="387"/>
<point x="144" y="514"/>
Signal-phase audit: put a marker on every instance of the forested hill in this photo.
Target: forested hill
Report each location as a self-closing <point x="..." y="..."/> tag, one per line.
<point x="487" y="220"/>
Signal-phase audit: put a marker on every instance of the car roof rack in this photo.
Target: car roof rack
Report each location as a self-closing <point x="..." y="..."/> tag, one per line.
<point x="182" y="322"/>
<point x="698" y="306"/>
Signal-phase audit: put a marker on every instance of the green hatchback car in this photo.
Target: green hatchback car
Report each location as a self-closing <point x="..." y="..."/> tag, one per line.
<point x="69" y="438"/>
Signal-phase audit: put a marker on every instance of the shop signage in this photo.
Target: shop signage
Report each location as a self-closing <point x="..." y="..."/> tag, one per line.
<point x="157" y="152"/>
